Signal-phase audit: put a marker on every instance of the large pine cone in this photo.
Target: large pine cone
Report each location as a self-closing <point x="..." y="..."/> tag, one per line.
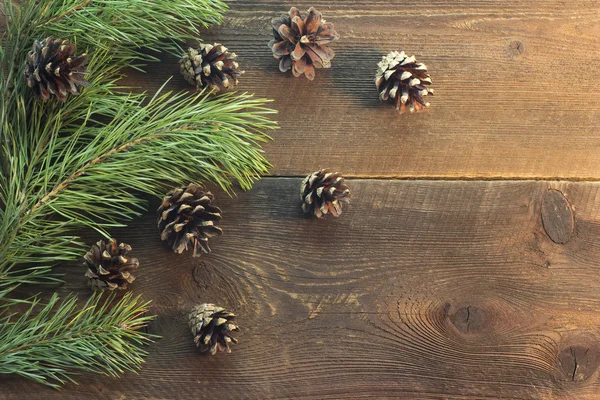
<point x="324" y="192"/>
<point x="403" y="81"/>
<point x="186" y="216"/>
<point x="108" y="267"/>
<point x="210" y="65"/>
<point x="52" y="69"/>
<point x="212" y="327"/>
<point x="301" y="43"/>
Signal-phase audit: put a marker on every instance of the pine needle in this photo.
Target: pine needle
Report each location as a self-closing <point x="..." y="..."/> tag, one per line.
<point x="85" y="162"/>
<point x="50" y="343"/>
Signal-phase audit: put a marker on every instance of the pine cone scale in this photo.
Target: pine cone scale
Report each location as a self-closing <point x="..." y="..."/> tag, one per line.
<point x="285" y="64"/>
<point x="297" y="24"/>
<point x="287" y="33"/>
<point x="319" y="55"/>
<point x="294" y="12"/>
<point x="326" y="34"/>
<point x="299" y="67"/>
<point x="313" y="21"/>
<point x="275" y="23"/>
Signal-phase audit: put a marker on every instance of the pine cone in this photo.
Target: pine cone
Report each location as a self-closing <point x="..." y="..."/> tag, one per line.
<point x="52" y="69"/>
<point x="323" y="192"/>
<point x="187" y="216"/>
<point x="108" y="267"/>
<point x="211" y="327"/>
<point x="210" y="65"/>
<point x="301" y="43"/>
<point x="401" y="80"/>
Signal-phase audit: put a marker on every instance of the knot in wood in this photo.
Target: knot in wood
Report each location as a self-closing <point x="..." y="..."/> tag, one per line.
<point x="515" y="48"/>
<point x="557" y="217"/>
<point x="467" y="319"/>
<point x="578" y="361"/>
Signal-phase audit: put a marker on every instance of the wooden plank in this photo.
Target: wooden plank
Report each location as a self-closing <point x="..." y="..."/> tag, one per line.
<point x="515" y="86"/>
<point x="420" y="290"/>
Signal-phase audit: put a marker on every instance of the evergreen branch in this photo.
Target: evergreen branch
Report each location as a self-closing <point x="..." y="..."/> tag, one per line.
<point x="63" y="339"/>
<point x="126" y="27"/>
<point x="83" y="163"/>
<point x="87" y="158"/>
<point x="192" y="137"/>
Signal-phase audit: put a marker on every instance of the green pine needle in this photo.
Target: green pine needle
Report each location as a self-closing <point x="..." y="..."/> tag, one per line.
<point x="51" y="343"/>
<point x="85" y="162"/>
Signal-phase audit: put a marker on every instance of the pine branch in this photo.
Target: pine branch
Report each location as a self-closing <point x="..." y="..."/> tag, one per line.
<point x="83" y="164"/>
<point x="63" y="339"/>
<point x="172" y="140"/>
<point x="90" y="157"/>
<point x="126" y="27"/>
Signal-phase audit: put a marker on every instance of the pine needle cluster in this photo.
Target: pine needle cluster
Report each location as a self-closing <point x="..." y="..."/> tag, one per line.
<point x="102" y="336"/>
<point x="85" y="162"/>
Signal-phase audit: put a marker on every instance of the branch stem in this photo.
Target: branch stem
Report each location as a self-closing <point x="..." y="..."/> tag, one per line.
<point x="65" y="183"/>
<point x="68" y="12"/>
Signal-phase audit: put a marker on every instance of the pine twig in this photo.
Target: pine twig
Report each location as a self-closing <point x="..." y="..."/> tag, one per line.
<point x="63" y="339"/>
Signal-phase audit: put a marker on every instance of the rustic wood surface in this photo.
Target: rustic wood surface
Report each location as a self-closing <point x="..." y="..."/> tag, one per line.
<point x="420" y="290"/>
<point x="515" y="88"/>
<point x="427" y="287"/>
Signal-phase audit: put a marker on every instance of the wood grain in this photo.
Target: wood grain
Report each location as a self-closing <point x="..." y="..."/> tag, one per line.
<point x="420" y="290"/>
<point x="427" y="289"/>
<point x="515" y="86"/>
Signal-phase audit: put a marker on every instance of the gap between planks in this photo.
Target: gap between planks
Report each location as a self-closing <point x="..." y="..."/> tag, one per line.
<point x="450" y="178"/>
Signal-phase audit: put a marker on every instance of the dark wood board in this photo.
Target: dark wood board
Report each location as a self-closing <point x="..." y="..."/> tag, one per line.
<point x="425" y="289"/>
<point x="420" y="290"/>
<point x="515" y="86"/>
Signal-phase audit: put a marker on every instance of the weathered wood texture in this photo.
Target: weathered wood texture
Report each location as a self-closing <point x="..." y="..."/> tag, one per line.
<point x="420" y="290"/>
<point x="515" y="86"/>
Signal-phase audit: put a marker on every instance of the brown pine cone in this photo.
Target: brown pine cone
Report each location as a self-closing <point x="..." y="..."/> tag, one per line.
<point x="212" y="327"/>
<point x="403" y="81"/>
<point x="52" y="69"/>
<point x="186" y="216"/>
<point x="210" y="65"/>
<point x="324" y="192"/>
<point x="108" y="267"/>
<point x="301" y="43"/>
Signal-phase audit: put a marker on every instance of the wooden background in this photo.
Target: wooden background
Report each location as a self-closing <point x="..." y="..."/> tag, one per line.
<point x="466" y="266"/>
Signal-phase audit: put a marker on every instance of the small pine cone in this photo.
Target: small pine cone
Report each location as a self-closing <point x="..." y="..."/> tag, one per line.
<point x="403" y="81"/>
<point x="210" y="65"/>
<point x="323" y="192"/>
<point x="212" y="327"/>
<point x="301" y="43"/>
<point x="108" y="267"/>
<point x="187" y="216"/>
<point x="51" y="69"/>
